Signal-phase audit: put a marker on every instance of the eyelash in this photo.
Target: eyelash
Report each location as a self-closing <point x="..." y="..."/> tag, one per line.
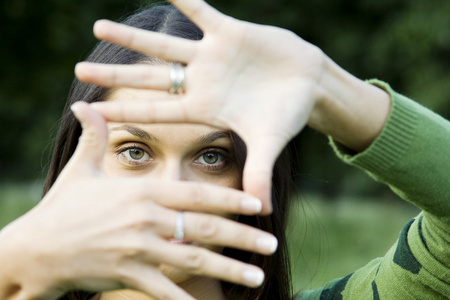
<point x="224" y="156"/>
<point x="121" y="153"/>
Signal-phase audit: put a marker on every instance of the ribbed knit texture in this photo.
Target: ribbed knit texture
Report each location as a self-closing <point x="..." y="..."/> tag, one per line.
<point x="412" y="156"/>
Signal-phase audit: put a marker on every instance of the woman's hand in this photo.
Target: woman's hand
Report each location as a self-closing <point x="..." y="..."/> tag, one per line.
<point x="262" y="82"/>
<point x="95" y="233"/>
<point x="240" y="76"/>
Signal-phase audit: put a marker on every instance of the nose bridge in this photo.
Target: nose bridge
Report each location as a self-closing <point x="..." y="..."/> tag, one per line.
<point x="171" y="169"/>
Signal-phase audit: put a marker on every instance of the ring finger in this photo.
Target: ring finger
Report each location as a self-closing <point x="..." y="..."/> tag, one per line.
<point x="215" y="230"/>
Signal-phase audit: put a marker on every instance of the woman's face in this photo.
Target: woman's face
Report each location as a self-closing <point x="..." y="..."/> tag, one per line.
<point x="186" y="152"/>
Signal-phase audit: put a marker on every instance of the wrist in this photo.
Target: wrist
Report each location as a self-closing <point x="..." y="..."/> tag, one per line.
<point x="351" y="111"/>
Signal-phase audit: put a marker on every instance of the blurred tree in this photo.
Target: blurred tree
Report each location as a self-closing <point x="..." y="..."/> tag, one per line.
<point x="41" y="42"/>
<point x="404" y="42"/>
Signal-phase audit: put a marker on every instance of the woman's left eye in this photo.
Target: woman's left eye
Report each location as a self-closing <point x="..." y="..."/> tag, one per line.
<point x="212" y="159"/>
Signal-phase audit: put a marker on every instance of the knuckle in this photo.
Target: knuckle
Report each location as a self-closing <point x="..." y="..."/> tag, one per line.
<point x="195" y="261"/>
<point x="133" y="248"/>
<point x="147" y="78"/>
<point x="197" y="195"/>
<point x="208" y="227"/>
<point x="122" y="113"/>
<point x="144" y="219"/>
<point x="138" y="191"/>
<point x="162" y="48"/>
<point x="166" y="296"/>
<point x="90" y="137"/>
<point x="150" y="111"/>
<point x="231" y="202"/>
<point x="112" y="80"/>
<point x="132" y="252"/>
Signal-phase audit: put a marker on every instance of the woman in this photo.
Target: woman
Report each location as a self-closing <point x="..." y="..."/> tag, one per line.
<point x="167" y="19"/>
<point x="173" y="152"/>
<point x="247" y="83"/>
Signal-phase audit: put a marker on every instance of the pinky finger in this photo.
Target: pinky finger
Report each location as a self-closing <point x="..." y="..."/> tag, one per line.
<point x="200" y="261"/>
<point x="154" y="283"/>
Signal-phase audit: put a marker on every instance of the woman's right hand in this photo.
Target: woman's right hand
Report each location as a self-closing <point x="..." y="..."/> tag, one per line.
<point x="94" y="233"/>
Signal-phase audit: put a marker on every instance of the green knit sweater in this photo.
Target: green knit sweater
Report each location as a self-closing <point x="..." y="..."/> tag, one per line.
<point x="412" y="156"/>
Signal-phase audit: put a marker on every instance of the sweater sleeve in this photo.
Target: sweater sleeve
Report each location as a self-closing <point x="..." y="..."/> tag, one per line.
<point x="411" y="155"/>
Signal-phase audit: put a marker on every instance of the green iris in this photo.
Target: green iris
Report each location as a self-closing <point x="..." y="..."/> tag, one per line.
<point x="136" y="153"/>
<point x="210" y="158"/>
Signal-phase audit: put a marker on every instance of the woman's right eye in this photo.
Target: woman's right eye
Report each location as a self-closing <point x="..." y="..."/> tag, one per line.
<point x="135" y="156"/>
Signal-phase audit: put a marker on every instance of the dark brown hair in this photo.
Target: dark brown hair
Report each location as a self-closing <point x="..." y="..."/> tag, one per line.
<point x="167" y="19"/>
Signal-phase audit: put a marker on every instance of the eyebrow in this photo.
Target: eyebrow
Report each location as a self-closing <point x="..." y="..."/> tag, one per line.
<point x="136" y="131"/>
<point x="211" y="137"/>
<point x="142" y="134"/>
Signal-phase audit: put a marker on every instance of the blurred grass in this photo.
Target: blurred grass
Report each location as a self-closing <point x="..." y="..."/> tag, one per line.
<point x="16" y="199"/>
<point x="326" y="239"/>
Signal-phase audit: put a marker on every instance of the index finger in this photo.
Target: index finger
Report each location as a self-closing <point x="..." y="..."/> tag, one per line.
<point x="170" y="110"/>
<point x="201" y="197"/>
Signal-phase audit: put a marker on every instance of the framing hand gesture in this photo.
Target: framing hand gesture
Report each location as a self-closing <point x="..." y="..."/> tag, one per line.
<point x="234" y="79"/>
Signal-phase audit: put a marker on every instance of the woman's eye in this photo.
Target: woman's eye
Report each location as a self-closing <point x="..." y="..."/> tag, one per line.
<point x="212" y="159"/>
<point x="136" y="153"/>
<point x="135" y="156"/>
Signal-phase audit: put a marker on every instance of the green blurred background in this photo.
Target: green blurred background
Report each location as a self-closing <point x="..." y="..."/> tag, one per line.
<point x="404" y="42"/>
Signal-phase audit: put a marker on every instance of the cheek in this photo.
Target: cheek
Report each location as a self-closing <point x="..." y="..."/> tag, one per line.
<point x="109" y="162"/>
<point x="233" y="182"/>
<point x="113" y="168"/>
<point x="231" y="178"/>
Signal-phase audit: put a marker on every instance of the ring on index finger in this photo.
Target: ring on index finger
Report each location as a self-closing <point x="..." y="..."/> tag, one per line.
<point x="176" y="78"/>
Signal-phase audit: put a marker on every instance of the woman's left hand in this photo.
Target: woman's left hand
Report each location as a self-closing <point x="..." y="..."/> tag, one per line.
<point x="263" y="82"/>
<point x="234" y="80"/>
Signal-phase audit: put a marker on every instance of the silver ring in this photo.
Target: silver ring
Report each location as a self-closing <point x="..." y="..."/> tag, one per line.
<point x="179" y="227"/>
<point x="176" y="78"/>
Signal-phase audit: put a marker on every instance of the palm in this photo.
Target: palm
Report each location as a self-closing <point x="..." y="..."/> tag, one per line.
<point x="240" y="76"/>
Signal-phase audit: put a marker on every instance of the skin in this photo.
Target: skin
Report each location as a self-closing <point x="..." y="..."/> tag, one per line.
<point x="173" y="152"/>
<point x="99" y="247"/>
<point x="264" y="99"/>
<point x="236" y="80"/>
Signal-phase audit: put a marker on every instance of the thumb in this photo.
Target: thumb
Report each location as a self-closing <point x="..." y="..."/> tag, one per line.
<point x="257" y="176"/>
<point x="93" y="140"/>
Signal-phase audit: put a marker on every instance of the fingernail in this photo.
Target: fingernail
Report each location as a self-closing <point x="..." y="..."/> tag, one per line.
<point x="267" y="244"/>
<point x="251" y="205"/>
<point x="75" y="109"/>
<point x="253" y="277"/>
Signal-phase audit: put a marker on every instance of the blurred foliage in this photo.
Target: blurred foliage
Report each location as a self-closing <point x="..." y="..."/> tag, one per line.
<point x="329" y="240"/>
<point x="404" y="42"/>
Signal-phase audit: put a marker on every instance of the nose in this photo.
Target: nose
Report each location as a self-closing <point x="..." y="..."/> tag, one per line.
<point x="170" y="170"/>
